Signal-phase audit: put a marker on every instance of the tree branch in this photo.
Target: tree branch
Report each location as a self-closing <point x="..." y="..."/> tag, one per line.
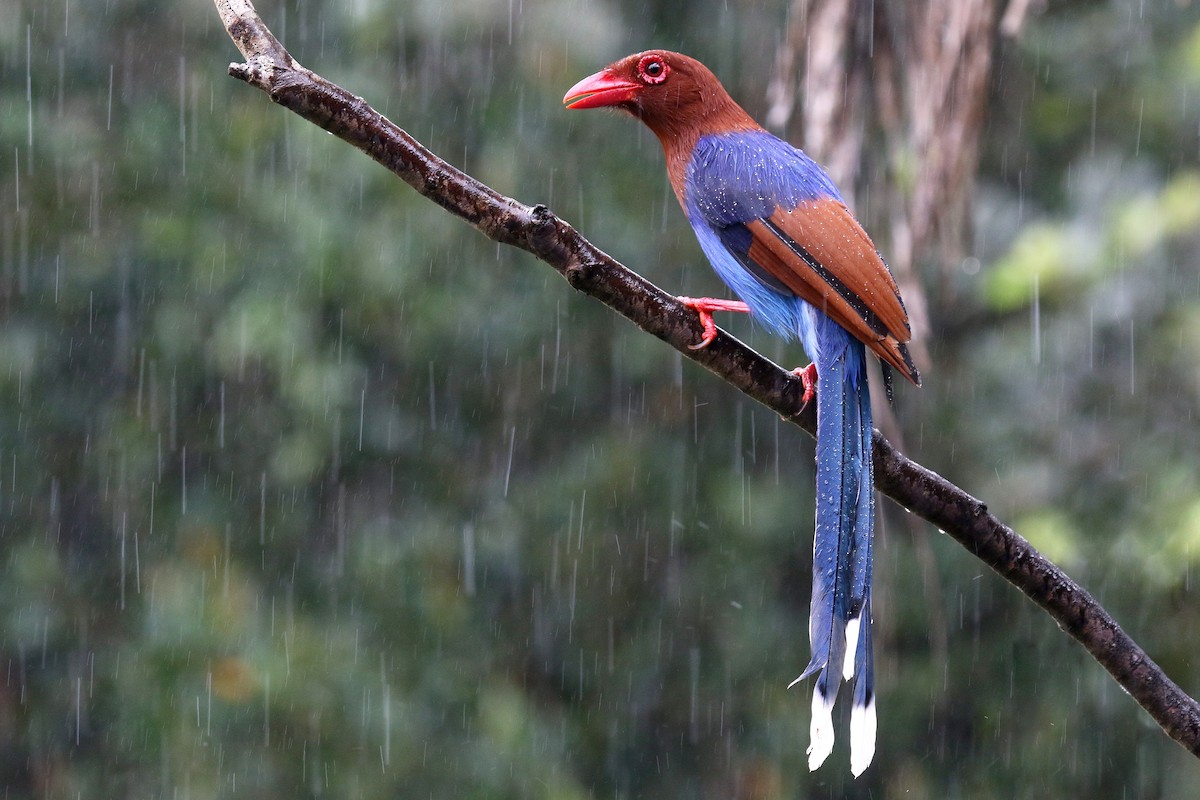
<point x="588" y="269"/>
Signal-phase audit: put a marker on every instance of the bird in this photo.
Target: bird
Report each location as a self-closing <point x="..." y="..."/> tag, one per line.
<point x="779" y="234"/>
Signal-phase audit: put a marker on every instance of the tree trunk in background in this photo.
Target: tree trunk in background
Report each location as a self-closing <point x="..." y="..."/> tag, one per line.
<point x="911" y="75"/>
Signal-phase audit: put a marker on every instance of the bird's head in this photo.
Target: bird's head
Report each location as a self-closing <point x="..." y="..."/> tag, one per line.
<point x="667" y="91"/>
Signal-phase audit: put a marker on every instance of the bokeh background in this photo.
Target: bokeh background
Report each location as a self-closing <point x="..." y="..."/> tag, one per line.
<point x="309" y="490"/>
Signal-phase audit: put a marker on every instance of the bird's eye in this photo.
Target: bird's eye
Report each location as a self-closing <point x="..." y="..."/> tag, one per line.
<point x="653" y="69"/>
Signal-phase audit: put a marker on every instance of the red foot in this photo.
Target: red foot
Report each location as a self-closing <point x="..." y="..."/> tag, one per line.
<point x="704" y="306"/>
<point x="807" y="376"/>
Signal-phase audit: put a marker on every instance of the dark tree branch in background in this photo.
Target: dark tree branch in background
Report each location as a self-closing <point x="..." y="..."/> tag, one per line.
<point x="533" y="228"/>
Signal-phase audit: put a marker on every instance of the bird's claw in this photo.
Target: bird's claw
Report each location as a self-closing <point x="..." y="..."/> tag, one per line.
<point x="808" y="377"/>
<point x="704" y="306"/>
<point x="710" y="330"/>
<point x="706" y="322"/>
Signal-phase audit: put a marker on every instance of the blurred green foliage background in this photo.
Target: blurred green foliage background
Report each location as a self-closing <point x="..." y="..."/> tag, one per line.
<point x="308" y="490"/>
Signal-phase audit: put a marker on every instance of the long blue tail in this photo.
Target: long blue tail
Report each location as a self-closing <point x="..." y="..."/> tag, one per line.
<point x="839" y="626"/>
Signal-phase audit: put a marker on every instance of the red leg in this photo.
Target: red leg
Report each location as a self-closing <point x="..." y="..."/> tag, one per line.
<point x="704" y="306"/>
<point x="807" y="376"/>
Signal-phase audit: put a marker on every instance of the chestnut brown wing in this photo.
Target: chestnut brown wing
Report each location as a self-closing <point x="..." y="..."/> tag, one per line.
<point x="819" y="251"/>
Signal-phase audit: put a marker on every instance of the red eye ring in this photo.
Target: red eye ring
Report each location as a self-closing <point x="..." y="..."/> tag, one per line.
<point x="653" y="69"/>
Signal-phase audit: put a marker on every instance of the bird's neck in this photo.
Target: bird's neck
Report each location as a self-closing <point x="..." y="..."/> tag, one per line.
<point x="679" y="134"/>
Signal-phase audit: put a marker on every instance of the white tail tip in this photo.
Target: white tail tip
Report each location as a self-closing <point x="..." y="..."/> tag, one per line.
<point x="852" y="627"/>
<point x="820" y="732"/>
<point x="863" y="728"/>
